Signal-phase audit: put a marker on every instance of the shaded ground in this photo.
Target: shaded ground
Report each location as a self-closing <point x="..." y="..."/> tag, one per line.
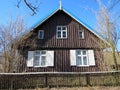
<point x="78" y="88"/>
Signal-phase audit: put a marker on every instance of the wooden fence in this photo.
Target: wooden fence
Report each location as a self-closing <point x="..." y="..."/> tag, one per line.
<point x="14" y="81"/>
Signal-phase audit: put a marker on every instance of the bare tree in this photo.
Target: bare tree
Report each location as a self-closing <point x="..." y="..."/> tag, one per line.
<point x="108" y="27"/>
<point x="9" y="42"/>
<point x="33" y="5"/>
<point x="113" y="3"/>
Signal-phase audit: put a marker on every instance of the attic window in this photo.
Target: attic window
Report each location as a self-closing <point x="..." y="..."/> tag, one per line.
<point x="40" y="34"/>
<point x="61" y="32"/>
<point x="81" y="34"/>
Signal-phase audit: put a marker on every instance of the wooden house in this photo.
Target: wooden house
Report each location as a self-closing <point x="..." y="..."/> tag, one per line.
<point x="62" y="43"/>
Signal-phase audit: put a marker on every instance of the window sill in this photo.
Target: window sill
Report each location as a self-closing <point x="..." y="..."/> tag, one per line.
<point x="61" y="38"/>
<point x="83" y="65"/>
<point x="39" y="66"/>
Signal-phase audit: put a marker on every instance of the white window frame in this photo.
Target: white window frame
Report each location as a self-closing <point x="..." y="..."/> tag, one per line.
<point x="61" y="30"/>
<point x="39" y="34"/>
<point x="82" y="65"/>
<point x="40" y="60"/>
<point x="82" y="34"/>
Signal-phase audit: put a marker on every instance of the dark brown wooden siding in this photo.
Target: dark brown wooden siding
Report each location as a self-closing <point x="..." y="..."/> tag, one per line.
<point x="62" y="63"/>
<point x="62" y="47"/>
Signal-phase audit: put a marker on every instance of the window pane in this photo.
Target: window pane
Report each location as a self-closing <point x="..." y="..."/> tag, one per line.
<point x="43" y="59"/>
<point x="37" y="52"/>
<point x="63" y="28"/>
<point x="59" y="34"/>
<point x="84" y="60"/>
<point x="78" y="61"/>
<point x="41" y="34"/>
<point x="64" y="34"/>
<point x="58" y="28"/>
<point x="36" y="63"/>
<point x="84" y="52"/>
<point x="43" y="52"/>
<point x="42" y="62"/>
<point x="36" y="60"/>
<point x="81" y="34"/>
<point x="78" y="52"/>
<point x="36" y="57"/>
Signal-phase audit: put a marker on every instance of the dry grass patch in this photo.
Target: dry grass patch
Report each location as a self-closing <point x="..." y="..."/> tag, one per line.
<point x="78" y="88"/>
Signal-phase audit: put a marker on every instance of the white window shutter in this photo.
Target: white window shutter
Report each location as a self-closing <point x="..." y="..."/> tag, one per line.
<point x="50" y="58"/>
<point x="91" y="57"/>
<point x="73" y="57"/>
<point x="30" y="58"/>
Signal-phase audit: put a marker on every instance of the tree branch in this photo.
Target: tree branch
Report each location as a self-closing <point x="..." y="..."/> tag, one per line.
<point x="32" y="8"/>
<point x="115" y="2"/>
<point x="18" y="4"/>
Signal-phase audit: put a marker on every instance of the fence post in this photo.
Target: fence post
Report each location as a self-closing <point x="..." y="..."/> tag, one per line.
<point x="88" y="79"/>
<point x="46" y="80"/>
<point x="10" y="86"/>
<point x="116" y="75"/>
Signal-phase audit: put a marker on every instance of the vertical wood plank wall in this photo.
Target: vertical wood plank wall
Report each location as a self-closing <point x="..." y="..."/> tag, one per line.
<point x="62" y="47"/>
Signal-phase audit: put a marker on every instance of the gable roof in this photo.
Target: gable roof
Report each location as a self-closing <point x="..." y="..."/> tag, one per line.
<point x="72" y="16"/>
